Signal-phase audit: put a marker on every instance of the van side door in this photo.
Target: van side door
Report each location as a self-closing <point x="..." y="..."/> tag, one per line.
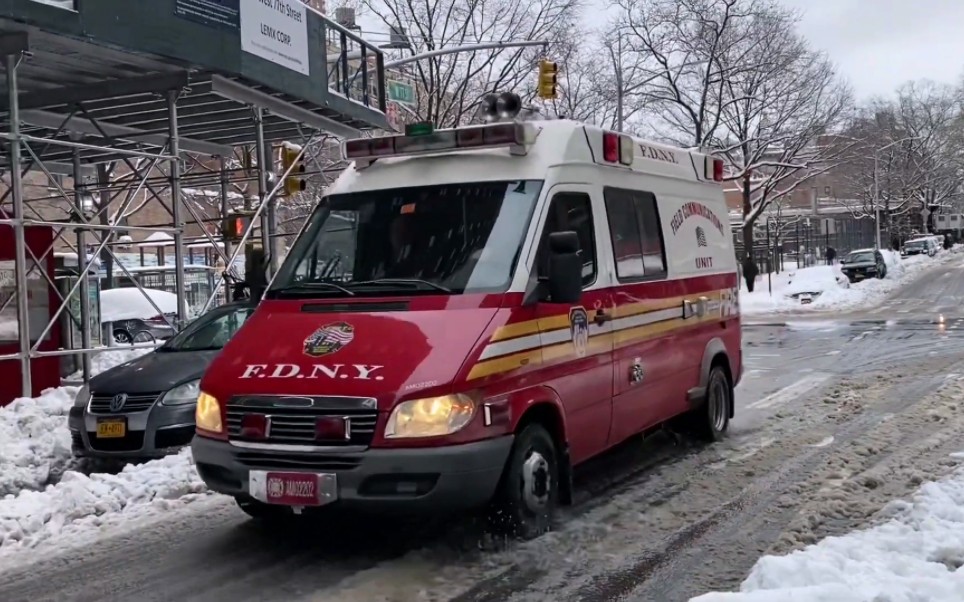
<point x="646" y="352"/>
<point x="577" y="340"/>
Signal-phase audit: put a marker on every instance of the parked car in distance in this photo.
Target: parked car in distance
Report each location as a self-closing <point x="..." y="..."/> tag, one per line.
<point x="919" y="246"/>
<point x="133" y="318"/>
<point x="864" y="263"/>
<point x="145" y="408"/>
<point x="808" y="284"/>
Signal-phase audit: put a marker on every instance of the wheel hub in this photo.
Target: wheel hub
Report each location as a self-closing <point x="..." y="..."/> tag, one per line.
<point x="536" y="481"/>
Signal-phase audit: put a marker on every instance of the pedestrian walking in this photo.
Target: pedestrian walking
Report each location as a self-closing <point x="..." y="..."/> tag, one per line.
<point x="831" y="255"/>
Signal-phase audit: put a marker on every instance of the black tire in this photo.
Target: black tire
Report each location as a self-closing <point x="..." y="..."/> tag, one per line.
<point x="123" y="337"/>
<point x="710" y="421"/>
<point x="881" y="272"/>
<point x="528" y="492"/>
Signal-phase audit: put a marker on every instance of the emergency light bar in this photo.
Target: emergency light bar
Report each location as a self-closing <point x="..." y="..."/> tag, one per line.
<point x="424" y="140"/>
<point x="713" y="169"/>
<point x="617" y="148"/>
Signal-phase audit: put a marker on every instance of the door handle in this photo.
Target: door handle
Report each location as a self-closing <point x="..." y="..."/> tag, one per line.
<point x="601" y="317"/>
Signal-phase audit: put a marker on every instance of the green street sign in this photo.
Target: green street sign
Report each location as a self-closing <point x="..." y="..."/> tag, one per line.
<point x="401" y="93"/>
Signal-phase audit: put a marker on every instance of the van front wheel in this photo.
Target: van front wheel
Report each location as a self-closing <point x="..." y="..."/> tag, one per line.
<point x="529" y="489"/>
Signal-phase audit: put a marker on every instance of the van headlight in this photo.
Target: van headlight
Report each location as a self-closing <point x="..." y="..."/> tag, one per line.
<point x="83" y="397"/>
<point x="207" y="415"/>
<point x="184" y="394"/>
<point x="430" y="417"/>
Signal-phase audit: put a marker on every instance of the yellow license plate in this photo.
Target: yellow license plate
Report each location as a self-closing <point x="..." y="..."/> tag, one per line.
<point x="111" y="429"/>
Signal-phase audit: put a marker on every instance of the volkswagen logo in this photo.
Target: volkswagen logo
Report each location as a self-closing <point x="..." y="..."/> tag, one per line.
<point x="117" y="402"/>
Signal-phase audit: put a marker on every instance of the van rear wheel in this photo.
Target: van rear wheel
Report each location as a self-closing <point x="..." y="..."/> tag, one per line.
<point x="528" y="492"/>
<point x="710" y="421"/>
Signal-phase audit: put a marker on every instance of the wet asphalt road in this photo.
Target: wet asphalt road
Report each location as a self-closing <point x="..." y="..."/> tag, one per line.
<point x="660" y="520"/>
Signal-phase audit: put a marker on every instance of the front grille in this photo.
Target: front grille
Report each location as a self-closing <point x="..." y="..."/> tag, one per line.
<point x="294" y="425"/>
<point x="133" y="441"/>
<point x="297" y="461"/>
<point x="100" y="403"/>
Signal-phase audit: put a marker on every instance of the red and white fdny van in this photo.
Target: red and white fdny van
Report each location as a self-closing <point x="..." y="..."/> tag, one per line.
<point x="468" y="314"/>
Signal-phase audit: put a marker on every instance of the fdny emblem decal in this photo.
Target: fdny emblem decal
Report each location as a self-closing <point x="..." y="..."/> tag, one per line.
<point x="329" y="339"/>
<point x="579" y="329"/>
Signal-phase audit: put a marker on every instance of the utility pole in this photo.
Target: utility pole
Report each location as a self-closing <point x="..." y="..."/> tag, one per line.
<point x="619" y="81"/>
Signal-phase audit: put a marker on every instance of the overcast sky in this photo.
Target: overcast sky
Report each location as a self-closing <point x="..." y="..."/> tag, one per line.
<point x="880" y="44"/>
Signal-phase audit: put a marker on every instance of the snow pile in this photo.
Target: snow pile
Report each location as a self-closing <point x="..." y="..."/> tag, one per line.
<point x="34" y="440"/>
<point x="80" y="502"/>
<point x="916" y="555"/>
<point x="130" y="304"/>
<point x="65" y="4"/>
<point x="835" y="297"/>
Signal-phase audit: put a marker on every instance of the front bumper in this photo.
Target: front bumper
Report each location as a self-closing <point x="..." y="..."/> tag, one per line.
<point x="420" y="480"/>
<point x="860" y="272"/>
<point x="150" y="434"/>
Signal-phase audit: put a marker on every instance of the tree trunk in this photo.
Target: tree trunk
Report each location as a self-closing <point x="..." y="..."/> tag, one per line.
<point x="747" y="226"/>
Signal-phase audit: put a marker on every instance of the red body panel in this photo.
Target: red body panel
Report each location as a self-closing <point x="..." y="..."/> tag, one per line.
<point x="490" y="346"/>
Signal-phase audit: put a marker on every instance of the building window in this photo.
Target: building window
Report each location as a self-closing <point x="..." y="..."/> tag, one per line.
<point x="54" y="182"/>
<point x="826" y="191"/>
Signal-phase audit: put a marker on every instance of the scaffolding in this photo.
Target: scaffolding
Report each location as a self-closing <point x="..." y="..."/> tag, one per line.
<point x="73" y="105"/>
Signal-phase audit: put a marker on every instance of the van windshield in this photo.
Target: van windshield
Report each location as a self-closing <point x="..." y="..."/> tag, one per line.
<point x="448" y="239"/>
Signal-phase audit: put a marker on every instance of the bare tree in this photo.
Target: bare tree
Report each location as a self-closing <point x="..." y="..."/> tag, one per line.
<point x="587" y="84"/>
<point x="733" y="77"/>
<point x="910" y="157"/>
<point x="450" y="86"/>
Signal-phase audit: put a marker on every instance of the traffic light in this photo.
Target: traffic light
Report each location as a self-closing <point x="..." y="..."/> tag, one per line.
<point x="234" y="226"/>
<point x="295" y="181"/>
<point x="548" y="79"/>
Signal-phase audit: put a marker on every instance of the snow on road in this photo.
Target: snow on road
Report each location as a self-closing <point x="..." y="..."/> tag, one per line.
<point x="861" y="295"/>
<point x="80" y="503"/>
<point x="915" y="555"/>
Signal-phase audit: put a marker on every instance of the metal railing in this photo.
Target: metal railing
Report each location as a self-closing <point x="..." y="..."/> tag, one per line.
<point x="351" y="62"/>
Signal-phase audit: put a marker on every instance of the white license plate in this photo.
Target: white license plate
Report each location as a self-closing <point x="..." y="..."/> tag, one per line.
<point x="288" y="488"/>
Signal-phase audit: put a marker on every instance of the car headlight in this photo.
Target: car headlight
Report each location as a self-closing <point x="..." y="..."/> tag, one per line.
<point x="430" y="417"/>
<point x="207" y="415"/>
<point x="182" y="394"/>
<point x="83" y="397"/>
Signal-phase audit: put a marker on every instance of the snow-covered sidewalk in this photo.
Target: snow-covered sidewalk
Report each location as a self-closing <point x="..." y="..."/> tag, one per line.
<point x="861" y="295"/>
<point x="916" y="555"/>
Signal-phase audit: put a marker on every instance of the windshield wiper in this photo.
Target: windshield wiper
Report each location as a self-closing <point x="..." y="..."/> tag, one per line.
<point x="416" y="282"/>
<point x="313" y="286"/>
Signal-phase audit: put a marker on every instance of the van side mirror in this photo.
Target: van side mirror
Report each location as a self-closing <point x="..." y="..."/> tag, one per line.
<point x="565" y="268"/>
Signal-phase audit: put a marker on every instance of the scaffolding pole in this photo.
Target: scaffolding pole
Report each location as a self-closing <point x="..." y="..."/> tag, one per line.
<point x="261" y="156"/>
<point x="175" y="167"/>
<point x="225" y="205"/>
<point x="82" y="268"/>
<point x="20" y="238"/>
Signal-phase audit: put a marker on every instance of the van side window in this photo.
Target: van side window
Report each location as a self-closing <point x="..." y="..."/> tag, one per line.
<point x="636" y="234"/>
<point x="570" y="211"/>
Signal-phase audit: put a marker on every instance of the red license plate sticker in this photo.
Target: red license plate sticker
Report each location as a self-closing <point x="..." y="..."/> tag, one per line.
<point x="292" y="488"/>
